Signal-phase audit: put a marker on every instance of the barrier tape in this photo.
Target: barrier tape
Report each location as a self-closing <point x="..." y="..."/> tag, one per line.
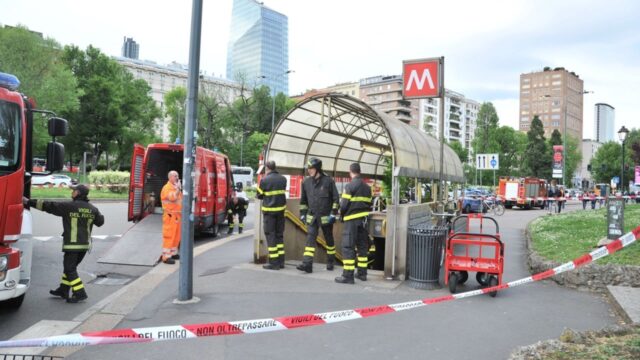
<point x="176" y="332"/>
<point x="544" y="198"/>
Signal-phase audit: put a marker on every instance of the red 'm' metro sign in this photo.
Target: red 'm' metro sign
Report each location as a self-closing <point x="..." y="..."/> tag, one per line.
<point x="421" y="78"/>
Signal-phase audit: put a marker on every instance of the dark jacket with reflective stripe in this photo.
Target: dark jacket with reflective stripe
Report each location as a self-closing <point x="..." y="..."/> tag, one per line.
<point x="239" y="208"/>
<point x="319" y="196"/>
<point x="355" y="201"/>
<point x="271" y="191"/>
<point x="78" y="218"/>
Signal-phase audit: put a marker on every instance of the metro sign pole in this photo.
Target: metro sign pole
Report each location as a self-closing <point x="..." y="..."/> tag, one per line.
<point x="424" y="78"/>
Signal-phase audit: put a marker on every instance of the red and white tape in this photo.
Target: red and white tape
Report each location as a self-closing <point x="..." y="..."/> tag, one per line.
<point x="176" y="332"/>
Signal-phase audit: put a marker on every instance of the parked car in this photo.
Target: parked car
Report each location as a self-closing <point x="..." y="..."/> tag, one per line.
<point x="53" y="179"/>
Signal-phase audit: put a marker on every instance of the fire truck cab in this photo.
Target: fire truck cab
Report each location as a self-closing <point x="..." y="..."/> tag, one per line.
<point x="16" y="161"/>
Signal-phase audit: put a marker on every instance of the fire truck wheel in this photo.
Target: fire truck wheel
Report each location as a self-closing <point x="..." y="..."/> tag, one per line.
<point x="453" y="282"/>
<point x="464" y="276"/>
<point x="482" y="278"/>
<point x="493" y="281"/>
<point x="12" y="303"/>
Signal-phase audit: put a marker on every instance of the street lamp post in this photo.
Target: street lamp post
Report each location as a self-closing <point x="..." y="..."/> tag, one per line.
<point x="622" y="135"/>
<point x="273" y="97"/>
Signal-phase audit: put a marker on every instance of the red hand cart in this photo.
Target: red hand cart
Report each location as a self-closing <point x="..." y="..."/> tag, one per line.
<point x="474" y="245"/>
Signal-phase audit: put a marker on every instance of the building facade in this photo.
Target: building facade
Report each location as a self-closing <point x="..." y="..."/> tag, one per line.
<point x="460" y="117"/>
<point x="384" y="93"/>
<point x="258" y="48"/>
<point x="556" y="97"/>
<point x="583" y="178"/>
<point x="163" y="79"/>
<point x="130" y="48"/>
<point x="604" y="123"/>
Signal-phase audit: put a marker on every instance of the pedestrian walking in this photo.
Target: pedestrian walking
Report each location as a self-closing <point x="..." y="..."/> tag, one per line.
<point x="318" y="209"/>
<point x="560" y="199"/>
<point x="171" y="197"/>
<point x="355" y="204"/>
<point x="271" y="191"/>
<point x="78" y="218"/>
<point x="237" y="206"/>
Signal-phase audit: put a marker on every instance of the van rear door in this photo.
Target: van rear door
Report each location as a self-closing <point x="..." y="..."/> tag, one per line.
<point x="136" y="183"/>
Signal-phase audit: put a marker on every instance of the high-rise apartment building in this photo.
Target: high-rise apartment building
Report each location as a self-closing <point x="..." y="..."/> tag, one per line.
<point x="130" y="48"/>
<point x="583" y="178"/>
<point x="384" y="93"/>
<point x="556" y="97"/>
<point x="258" y="49"/>
<point x="604" y="119"/>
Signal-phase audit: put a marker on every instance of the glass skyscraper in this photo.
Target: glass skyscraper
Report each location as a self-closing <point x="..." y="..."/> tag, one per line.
<point x="258" y="46"/>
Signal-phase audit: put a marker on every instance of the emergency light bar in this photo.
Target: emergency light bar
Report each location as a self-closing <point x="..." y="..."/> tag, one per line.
<point x="9" y="81"/>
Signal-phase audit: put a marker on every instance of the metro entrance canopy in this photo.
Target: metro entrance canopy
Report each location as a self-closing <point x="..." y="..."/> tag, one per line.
<point x="340" y="130"/>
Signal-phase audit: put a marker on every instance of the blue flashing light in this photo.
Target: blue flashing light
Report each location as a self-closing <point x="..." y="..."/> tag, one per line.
<point x="9" y="81"/>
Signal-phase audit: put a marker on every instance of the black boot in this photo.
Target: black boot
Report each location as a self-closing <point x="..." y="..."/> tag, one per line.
<point x="281" y="261"/>
<point x="78" y="296"/>
<point x="362" y="274"/>
<point x="271" y="266"/>
<point x="308" y="268"/>
<point x="62" y="291"/>
<point x="331" y="260"/>
<point x="346" y="278"/>
<point x="240" y="230"/>
<point x="230" y="231"/>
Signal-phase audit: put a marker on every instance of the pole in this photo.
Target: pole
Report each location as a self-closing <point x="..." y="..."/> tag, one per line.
<point x="273" y="107"/>
<point x="441" y="131"/>
<point x="622" y="175"/>
<point x="185" y="285"/>
<point x="84" y="166"/>
<point x="564" y="141"/>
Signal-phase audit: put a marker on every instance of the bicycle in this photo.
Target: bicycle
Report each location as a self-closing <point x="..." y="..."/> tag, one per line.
<point x="495" y="206"/>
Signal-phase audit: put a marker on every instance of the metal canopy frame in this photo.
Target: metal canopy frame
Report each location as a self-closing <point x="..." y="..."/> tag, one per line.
<point x="340" y="129"/>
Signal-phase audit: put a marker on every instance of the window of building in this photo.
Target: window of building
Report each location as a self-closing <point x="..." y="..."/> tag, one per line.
<point x="555" y="123"/>
<point x="557" y="82"/>
<point x="524" y="118"/>
<point x="555" y="116"/>
<point x="526" y="86"/>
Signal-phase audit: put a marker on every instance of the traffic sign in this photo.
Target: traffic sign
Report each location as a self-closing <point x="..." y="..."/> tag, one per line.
<point x="487" y="161"/>
<point x="422" y="78"/>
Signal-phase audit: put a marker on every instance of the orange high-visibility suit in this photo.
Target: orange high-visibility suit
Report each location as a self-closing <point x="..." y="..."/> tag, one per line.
<point x="172" y="209"/>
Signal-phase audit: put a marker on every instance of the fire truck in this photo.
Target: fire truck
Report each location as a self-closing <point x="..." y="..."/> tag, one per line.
<point x="525" y="193"/>
<point x="16" y="162"/>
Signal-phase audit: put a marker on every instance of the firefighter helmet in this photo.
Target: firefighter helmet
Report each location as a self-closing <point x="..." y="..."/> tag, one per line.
<point x="314" y="163"/>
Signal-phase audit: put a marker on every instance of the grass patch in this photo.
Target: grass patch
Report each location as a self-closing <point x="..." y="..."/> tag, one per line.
<point x="65" y="193"/>
<point x="605" y="347"/>
<point x="567" y="236"/>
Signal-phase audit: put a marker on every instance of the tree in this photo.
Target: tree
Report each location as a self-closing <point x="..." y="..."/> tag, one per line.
<point x="511" y="145"/>
<point x="537" y="159"/>
<point x="607" y="163"/>
<point x="462" y="153"/>
<point x="556" y="138"/>
<point x="574" y="157"/>
<point x="633" y="145"/>
<point x="485" y="141"/>
<point x="43" y="76"/>
<point x="176" y="110"/>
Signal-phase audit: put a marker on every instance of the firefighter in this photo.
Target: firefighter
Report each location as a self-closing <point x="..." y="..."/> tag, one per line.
<point x="237" y="206"/>
<point x="171" y="197"/>
<point x="318" y="209"/>
<point x="355" y="204"/>
<point x="271" y="191"/>
<point x="78" y="218"/>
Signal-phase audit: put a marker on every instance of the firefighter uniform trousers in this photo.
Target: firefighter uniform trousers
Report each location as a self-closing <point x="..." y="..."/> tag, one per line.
<point x="355" y="239"/>
<point x="171" y="220"/>
<point x="314" y="223"/>
<point x="274" y="232"/>
<point x="241" y="215"/>
<point x="70" y="278"/>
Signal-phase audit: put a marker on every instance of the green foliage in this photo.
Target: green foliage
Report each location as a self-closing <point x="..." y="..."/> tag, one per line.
<point x="43" y="76"/>
<point x="537" y="158"/>
<point x="556" y="138"/>
<point x="610" y="155"/>
<point x="115" y="181"/>
<point x="114" y="108"/>
<point x="462" y="153"/>
<point x="176" y="110"/>
<point x="65" y="193"/>
<point x="573" y="160"/>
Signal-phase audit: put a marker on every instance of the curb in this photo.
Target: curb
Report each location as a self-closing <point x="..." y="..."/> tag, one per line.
<point x="111" y="310"/>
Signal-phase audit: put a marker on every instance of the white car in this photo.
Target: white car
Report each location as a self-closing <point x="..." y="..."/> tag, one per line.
<point x="53" y="179"/>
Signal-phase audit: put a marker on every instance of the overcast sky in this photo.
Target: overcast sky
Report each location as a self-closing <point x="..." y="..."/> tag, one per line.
<point x="486" y="44"/>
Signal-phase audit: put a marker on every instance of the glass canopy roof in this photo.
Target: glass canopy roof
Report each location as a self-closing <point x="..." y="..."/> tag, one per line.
<point x="340" y="130"/>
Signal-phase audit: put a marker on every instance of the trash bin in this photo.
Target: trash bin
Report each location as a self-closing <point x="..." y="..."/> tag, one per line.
<point x="425" y="255"/>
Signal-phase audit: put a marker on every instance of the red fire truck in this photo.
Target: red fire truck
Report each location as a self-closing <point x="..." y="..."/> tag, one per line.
<point x="527" y="193"/>
<point x="16" y="161"/>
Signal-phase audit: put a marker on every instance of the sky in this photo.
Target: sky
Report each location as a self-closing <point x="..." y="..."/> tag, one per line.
<point x="486" y="44"/>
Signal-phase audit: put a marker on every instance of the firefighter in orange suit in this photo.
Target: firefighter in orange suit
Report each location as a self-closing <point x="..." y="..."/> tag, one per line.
<point x="171" y="197"/>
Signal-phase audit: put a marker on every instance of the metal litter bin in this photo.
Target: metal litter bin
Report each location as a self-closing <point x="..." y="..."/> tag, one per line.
<point x="425" y="255"/>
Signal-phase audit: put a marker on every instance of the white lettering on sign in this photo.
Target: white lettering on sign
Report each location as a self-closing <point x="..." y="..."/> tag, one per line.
<point x="413" y="77"/>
